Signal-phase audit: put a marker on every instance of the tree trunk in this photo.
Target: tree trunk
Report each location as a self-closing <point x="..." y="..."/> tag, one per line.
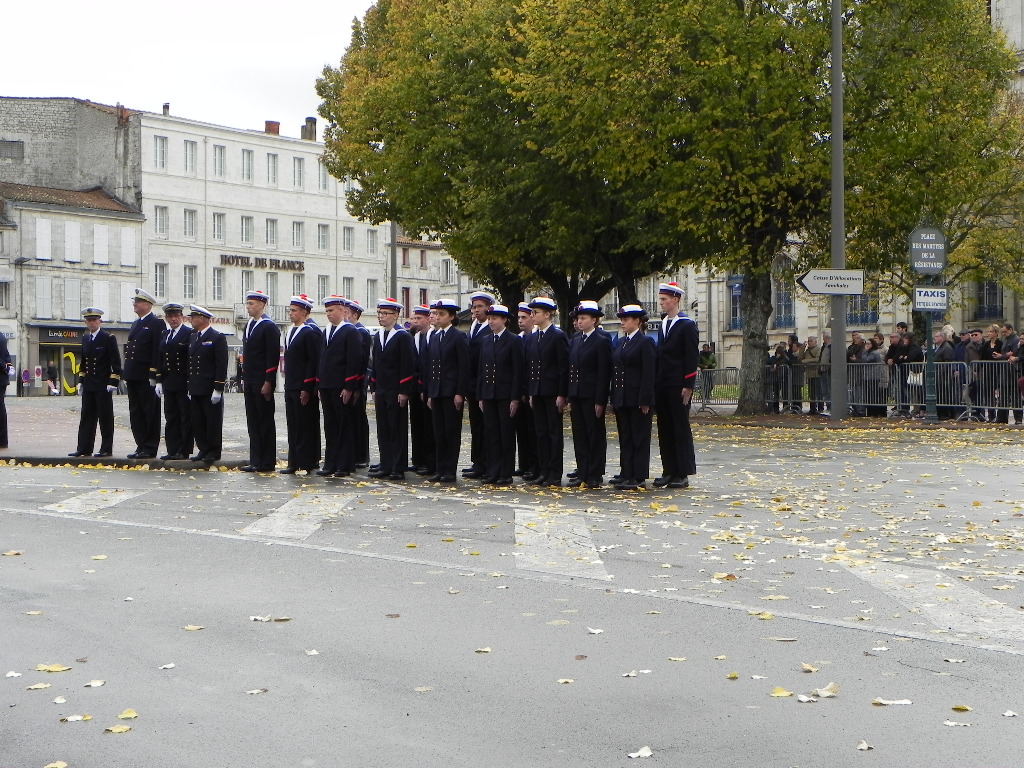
<point x="510" y="290"/>
<point x="755" y="308"/>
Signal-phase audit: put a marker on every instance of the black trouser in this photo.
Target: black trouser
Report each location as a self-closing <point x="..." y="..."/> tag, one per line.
<point x="207" y="426"/>
<point x="97" y="407"/>
<point x="500" y="429"/>
<point x="3" y="412"/>
<point x="477" y="451"/>
<point x="144" y="416"/>
<point x="550" y="440"/>
<point x="361" y="428"/>
<point x="303" y="430"/>
<point x="259" y="419"/>
<point x="589" y="440"/>
<point x="447" y="434"/>
<point x="340" y="450"/>
<point x="634" y="442"/>
<point x="526" y="438"/>
<point x="675" y="438"/>
<point x="422" y="434"/>
<point x="178" y="427"/>
<point x="392" y="433"/>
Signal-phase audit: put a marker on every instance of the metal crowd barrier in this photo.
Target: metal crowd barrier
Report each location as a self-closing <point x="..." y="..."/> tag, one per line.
<point x="716" y="387"/>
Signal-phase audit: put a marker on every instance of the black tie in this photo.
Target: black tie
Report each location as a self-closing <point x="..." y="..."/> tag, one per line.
<point x="385" y="340"/>
<point x="331" y="334"/>
<point x="668" y="325"/>
<point x="496" y="338"/>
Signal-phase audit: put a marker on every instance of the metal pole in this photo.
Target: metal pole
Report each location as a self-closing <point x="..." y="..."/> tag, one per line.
<point x="839" y="362"/>
<point x="393" y="277"/>
<point x="930" y="374"/>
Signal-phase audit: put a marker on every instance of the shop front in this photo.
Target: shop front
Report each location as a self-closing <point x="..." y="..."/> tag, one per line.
<point x="58" y="357"/>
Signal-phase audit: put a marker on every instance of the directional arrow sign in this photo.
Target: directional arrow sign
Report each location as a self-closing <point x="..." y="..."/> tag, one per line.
<point x="834" y="282"/>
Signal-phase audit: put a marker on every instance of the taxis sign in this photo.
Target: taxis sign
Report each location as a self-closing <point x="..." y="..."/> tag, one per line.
<point x="930" y="298"/>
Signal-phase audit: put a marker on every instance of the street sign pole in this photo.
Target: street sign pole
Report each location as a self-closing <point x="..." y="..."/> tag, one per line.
<point x="838" y="351"/>
<point x="928" y="257"/>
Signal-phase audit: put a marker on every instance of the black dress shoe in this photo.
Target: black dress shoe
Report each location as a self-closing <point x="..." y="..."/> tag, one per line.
<point x="447" y="479"/>
<point x="488" y="480"/>
<point x="626" y="485"/>
<point x="374" y="467"/>
<point x="530" y="476"/>
<point x="661" y="482"/>
<point x="472" y="474"/>
<point x="574" y="482"/>
<point x="103" y="455"/>
<point x="134" y="455"/>
<point x="518" y="473"/>
<point x="209" y="458"/>
<point x="325" y="472"/>
<point x="265" y="470"/>
<point x="248" y="468"/>
<point x="377" y="473"/>
<point x="616" y="479"/>
<point x="537" y="481"/>
<point x="397" y="477"/>
<point x="594" y="485"/>
<point x="342" y="473"/>
<point x="362" y="465"/>
<point x="76" y="454"/>
<point x="287" y="471"/>
<point x="573" y="475"/>
<point x="198" y="457"/>
<point x="503" y="481"/>
<point x="551" y="483"/>
<point x="679" y="482"/>
<point x="434" y="478"/>
<point x="173" y="457"/>
<point x="423" y="471"/>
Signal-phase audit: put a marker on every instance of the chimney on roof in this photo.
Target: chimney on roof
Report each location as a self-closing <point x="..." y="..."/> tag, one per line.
<point x="272" y="126"/>
<point x="308" y="131"/>
<point x="167" y="108"/>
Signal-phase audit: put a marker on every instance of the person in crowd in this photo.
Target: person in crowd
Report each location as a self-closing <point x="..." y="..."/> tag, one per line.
<point x="777" y="378"/>
<point x="825" y="374"/>
<point x="302" y="345"/>
<point x="590" y="360"/>
<point x="261" y="357"/>
<point x="479" y="303"/>
<point x="141" y="360"/>
<point x="340" y="373"/>
<point x="547" y="358"/>
<point x="895" y="384"/>
<point x="526" y="429"/>
<point x="421" y="426"/>
<point x="795" y="399"/>
<point x="500" y="384"/>
<point x="353" y="311"/>
<point x="810" y="358"/>
<point x="447" y="384"/>
<point x="98" y="378"/>
<point x="944" y="381"/>
<point x="1008" y="391"/>
<point x="873" y="374"/>
<point x="393" y="383"/>
<point x="707" y="362"/>
<point x="677" y="353"/>
<point x="172" y="383"/>
<point x="207" y="375"/>
<point x="52" y="377"/>
<point x="989" y="379"/>
<point x="634" y="367"/>
<point x="909" y="356"/>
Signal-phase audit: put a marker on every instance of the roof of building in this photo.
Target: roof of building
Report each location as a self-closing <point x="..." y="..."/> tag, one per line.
<point x="95" y="198"/>
<point x="405" y="240"/>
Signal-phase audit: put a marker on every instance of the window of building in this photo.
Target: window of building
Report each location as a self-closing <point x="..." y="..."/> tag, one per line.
<point x="272" y="170"/>
<point x="100" y="246"/>
<point x="447" y="272"/>
<point x="188" y="282"/>
<point x="246" y="230"/>
<point x="72" y="298"/>
<point x="217" y="287"/>
<point x="298" y="284"/>
<point x="43" y="239"/>
<point x="423" y="258"/>
<point x="160" y="216"/>
<point x="190" y="156"/>
<point x="322" y="176"/>
<point x="859" y="310"/>
<point x="348" y="239"/>
<point x="72" y="242"/>
<point x="126" y="307"/>
<point x="407" y="301"/>
<point x="12" y="150"/>
<point x="128" y="247"/>
<point x="101" y="294"/>
<point x="298" y="172"/>
<point x="371" y="294"/>
<point x="371" y="242"/>
<point x="189" y="224"/>
<point x="247" y="163"/>
<point x="350" y="185"/>
<point x="272" y="232"/>
<point x="219" y="160"/>
<point x="785" y="313"/>
<point x="735" y="315"/>
<point x="159" y="279"/>
<point x="298" y="234"/>
<point x="44" y="302"/>
<point x="990" y="301"/>
<point x="347" y="286"/>
<point x="248" y="278"/>
<point x="423" y="296"/>
<point x="323" y="287"/>
<point x="218" y="226"/>
<point x="160" y="152"/>
<point x="405" y="257"/>
<point x="272" y="286"/>
<point x="323" y="236"/>
<point x="5" y="298"/>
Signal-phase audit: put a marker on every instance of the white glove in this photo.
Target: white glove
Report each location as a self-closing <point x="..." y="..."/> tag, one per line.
<point x="78" y="389"/>
<point x="111" y="388"/>
<point x="216" y="397"/>
<point x="159" y="389"/>
<point x="152" y="382"/>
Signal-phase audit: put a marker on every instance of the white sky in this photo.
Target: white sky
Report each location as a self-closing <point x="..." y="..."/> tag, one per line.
<point x="232" y="63"/>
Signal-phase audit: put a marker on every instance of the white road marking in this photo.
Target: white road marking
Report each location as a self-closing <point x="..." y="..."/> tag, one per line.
<point x="298" y="518"/>
<point x="953" y="605"/>
<point x="87" y="503"/>
<point x="556" y="543"/>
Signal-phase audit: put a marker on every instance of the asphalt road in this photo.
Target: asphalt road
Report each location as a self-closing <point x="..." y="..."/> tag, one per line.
<point x="888" y="562"/>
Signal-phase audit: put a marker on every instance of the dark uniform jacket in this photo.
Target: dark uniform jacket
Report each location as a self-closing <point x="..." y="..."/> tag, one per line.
<point x="502" y="366"/>
<point x="101" y="362"/>
<point x="448" y="369"/>
<point x="678" y="354"/>
<point x="590" y="366"/>
<point x="483" y="331"/>
<point x="421" y="344"/>
<point x="393" y="366"/>
<point x="207" y="362"/>
<point x="633" y="365"/>
<point x="142" y="351"/>
<point x="302" y="357"/>
<point x="261" y="352"/>
<point x="342" y="362"/>
<point x="547" y="358"/>
<point x="173" y="367"/>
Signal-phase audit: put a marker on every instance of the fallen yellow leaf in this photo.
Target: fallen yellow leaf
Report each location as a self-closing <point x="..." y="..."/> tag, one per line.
<point x="117" y="729"/>
<point x="808" y="668"/>
<point x="13" y="553"/>
<point x="75" y="718"/>
<point x="33" y="613"/>
<point x="38" y="687"/>
<point x="51" y="668"/>
<point x="780" y="692"/>
<point x="98" y="557"/>
<point x="128" y="714"/>
<point x="733" y="676"/>
<point x="58" y="764"/>
<point x="962" y="708"/>
<point x="192" y="627"/>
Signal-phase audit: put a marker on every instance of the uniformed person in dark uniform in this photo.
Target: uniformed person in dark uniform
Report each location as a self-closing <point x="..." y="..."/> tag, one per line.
<point x="479" y="303"/>
<point x="340" y="384"/>
<point x="392" y="382"/>
<point x="172" y="384"/>
<point x="261" y="357"/>
<point x="421" y="425"/>
<point x="548" y="387"/>
<point x="590" y="371"/>
<point x="678" y="353"/>
<point x="5" y="378"/>
<point x="98" y="376"/>
<point x="447" y="384"/>
<point x="526" y="430"/>
<point x="302" y="345"/>
<point x="633" y="366"/>
<point x="141" y="361"/>
<point x="207" y="372"/>
<point x="500" y="384"/>
<point x="361" y="422"/>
